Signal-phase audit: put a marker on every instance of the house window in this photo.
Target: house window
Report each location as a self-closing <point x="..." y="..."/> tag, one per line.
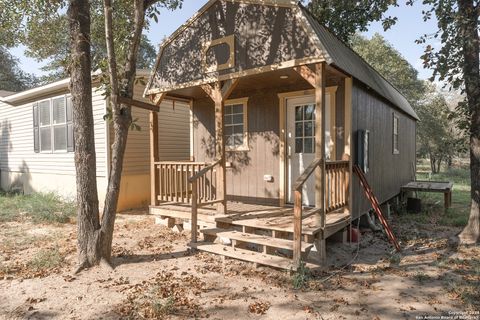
<point x="305" y="129"/>
<point x="236" y="137"/>
<point x="395" y="135"/>
<point x="53" y="125"/>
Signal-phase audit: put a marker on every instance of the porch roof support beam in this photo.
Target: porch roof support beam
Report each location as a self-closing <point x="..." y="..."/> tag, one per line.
<point x="317" y="79"/>
<point x="219" y="94"/>
<point x="154" y="157"/>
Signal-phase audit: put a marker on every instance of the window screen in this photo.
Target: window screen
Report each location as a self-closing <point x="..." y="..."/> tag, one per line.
<point x="305" y="129"/>
<point x="234" y="126"/>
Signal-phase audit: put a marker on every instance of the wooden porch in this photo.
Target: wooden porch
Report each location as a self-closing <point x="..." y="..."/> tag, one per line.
<point x="194" y="193"/>
<point x="256" y="233"/>
<point x="186" y="196"/>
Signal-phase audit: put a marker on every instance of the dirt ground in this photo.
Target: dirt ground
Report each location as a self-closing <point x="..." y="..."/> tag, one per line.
<point x="156" y="276"/>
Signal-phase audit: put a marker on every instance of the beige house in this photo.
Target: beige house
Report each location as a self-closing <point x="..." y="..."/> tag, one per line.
<point x="36" y="143"/>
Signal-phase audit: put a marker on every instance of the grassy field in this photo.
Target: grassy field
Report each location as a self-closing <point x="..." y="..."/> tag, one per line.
<point x="432" y="203"/>
<point x="38" y="207"/>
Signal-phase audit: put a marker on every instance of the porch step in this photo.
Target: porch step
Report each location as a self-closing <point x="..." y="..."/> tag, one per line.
<point x="183" y="212"/>
<point x="335" y="221"/>
<point x="256" y="239"/>
<point x="247" y="255"/>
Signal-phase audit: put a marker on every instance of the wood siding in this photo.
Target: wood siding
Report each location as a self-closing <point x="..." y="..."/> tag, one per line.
<point x="245" y="176"/>
<point x="263" y="35"/>
<point x="173" y="136"/>
<point x="388" y="171"/>
<point x="16" y="142"/>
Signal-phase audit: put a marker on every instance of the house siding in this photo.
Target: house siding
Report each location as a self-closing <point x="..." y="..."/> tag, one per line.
<point x="173" y="135"/>
<point x="22" y="168"/>
<point x="388" y="171"/>
<point x="245" y="176"/>
<point x="173" y="145"/>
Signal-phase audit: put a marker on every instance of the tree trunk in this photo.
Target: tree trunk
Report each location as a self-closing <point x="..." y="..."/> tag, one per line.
<point x="122" y="119"/>
<point x="88" y="224"/>
<point x="468" y="32"/>
<point x="439" y="164"/>
<point x="432" y="163"/>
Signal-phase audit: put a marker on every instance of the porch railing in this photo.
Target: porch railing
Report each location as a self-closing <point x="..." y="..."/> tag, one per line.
<point x="196" y="199"/>
<point x="337" y="180"/>
<point x="336" y="196"/>
<point x="174" y="184"/>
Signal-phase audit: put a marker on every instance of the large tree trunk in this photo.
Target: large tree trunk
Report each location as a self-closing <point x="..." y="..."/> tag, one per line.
<point x="85" y="158"/>
<point x="122" y="119"/>
<point x="468" y="32"/>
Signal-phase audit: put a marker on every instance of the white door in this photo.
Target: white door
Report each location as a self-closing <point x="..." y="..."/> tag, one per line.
<point x="301" y="142"/>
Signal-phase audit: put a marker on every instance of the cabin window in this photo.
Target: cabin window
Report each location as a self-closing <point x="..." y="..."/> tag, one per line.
<point x="395" y="134"/>
<point x="305" y="129"/>
<point x="219" y="54"/>
<point x="236" y="138"/>
<point x="53" y="125"/>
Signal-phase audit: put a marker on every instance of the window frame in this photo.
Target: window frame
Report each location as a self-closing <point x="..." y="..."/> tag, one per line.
<point x="47" y="126"/>
<point x="245" y="145"/>
<point x="52" y="126"/>
<point x="395" y="133"/>
<point x="55" y="125"/>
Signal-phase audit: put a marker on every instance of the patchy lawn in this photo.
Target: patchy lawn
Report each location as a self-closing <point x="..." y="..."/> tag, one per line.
<point x="38" y="208"/>
<point x="157" y="277"/>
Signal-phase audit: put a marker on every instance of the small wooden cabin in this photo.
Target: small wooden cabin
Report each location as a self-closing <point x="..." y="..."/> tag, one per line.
<point x="280" y="111"/>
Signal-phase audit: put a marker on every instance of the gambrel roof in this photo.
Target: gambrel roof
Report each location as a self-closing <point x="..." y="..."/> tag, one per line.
<point x="265" y="35"/>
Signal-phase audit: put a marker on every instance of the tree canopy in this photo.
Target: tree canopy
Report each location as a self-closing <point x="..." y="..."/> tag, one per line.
<point x="12" y="78"/>
<point x="384" y="58"/>
<point x="346" y="17"/>
<point x="41" y="28"/>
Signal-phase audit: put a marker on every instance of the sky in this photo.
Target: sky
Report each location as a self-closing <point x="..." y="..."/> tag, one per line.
<point x="402" y="36"/>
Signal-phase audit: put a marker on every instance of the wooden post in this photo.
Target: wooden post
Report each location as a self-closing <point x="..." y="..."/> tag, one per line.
<point x="317" y="80"/>
<point x="220" y="150"/>
<point x="349" y="141"/>
<point x="219" y="94"/>
<point x="320" y="141"/>
<point x="153" y="158"/>
<point x="194" y="211"/>
<point x="297" y="229"/>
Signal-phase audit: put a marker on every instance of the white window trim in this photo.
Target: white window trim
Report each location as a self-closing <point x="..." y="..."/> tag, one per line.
<point x="52" y="126"/>
<point x="244" y="102"/>
<point x="397" y="118"/>
<point x="64" y="124"/>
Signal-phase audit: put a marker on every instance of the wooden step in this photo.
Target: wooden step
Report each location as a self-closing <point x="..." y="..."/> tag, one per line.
<point x="256" y="239"/>
<point x="247" y="255"/>
<point x="182" y="212"/>
<point x="336" y="219"/>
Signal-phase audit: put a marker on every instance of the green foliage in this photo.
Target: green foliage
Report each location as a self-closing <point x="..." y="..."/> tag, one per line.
<point x="41" y="26"/>
<point x="421" y="277"/>
<point x="433" y="211"/>
<point x="46" y="259"/>
<point x="301" y="277"/>
<point x="345" y="17"/>
<point x="384" y="58"/>
<point x="12" y="78"/>
<point x="438" y="138"/>
<point x="39" y="207"/>
<point x="456" y="60"/>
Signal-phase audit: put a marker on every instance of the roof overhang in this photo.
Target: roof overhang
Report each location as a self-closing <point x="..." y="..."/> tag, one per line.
<point x="51" y="88"/>
<point x="282" y="65"/>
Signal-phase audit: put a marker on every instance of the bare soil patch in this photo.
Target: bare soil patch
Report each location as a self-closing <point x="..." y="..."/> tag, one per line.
<point x="156" y="276"/>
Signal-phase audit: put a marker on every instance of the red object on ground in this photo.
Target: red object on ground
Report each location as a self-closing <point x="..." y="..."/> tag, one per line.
<point x="353" y="235"/>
